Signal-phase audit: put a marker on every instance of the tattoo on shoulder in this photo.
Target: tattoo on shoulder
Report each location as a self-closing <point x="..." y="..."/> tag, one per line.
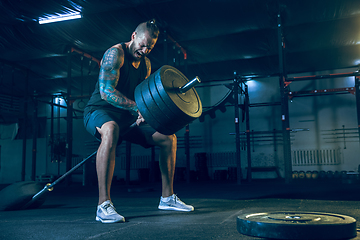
<point x="112" y="59"/>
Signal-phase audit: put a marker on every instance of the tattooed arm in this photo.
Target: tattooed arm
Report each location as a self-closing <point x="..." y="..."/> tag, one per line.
<point x="111" y="63"/>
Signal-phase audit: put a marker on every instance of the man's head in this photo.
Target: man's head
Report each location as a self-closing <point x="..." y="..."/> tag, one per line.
<point x="143" y="39"/>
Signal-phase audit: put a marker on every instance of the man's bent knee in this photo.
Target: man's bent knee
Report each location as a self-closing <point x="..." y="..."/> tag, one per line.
<point x="109" y="131"/>
<point x="164" y="140"/>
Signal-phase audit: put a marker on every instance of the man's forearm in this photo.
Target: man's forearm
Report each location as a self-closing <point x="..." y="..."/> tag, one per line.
<point x="117" y="99"/>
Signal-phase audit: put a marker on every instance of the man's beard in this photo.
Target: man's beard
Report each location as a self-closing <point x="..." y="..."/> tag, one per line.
<point x="132" y="52"/>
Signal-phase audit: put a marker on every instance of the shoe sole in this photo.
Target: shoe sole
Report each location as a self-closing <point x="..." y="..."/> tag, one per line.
<point x="175" y="209"/>
<point x="109" y="221"/>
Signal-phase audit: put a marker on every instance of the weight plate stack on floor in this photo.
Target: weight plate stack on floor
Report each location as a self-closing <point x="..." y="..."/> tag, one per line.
<point x="297" y="225"/>
<point x="161" y="103"/>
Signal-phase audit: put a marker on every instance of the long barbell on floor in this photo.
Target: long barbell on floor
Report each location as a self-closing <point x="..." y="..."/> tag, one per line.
<point x="166" y="99"/>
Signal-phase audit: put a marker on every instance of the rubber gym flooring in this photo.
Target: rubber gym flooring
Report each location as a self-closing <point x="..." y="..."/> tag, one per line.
<point x="69" y="211"/>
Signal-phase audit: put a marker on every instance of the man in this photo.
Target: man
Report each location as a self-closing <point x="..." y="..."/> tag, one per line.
<point x="112" y="109"/>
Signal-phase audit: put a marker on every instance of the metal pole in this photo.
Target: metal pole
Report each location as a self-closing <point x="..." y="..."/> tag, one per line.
<point x="237" y="129"/>
<point x="52" y="129"/>
<point x="23" y="162"/>
<point x="187" y="132"/>
<point x="284" y="105"/>
<point x="34" y="145"/>
<point x="187" y="152"/>
<point x="69" y="122"/>
<point x="58" y="156"/>
<point x="275" y="142"/>
<point x="248" y="147"/>
<point x="357" y="95"/>
<point x="152" y="165"/>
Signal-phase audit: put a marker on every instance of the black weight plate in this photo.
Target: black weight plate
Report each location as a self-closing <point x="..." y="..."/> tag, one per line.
<point x="171" y="100"/>
<point x="17" y="195"/>
<point x="168" y="107"/>
<point x="151" y="111"/>
<point x="188" y="102"/>
<point x="162" y="95"/>
<point x="297" y="225"/>
<point x="161" y="111"/>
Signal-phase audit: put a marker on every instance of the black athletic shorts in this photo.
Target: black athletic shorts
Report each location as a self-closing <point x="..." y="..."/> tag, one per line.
<point x="140" y="135"/>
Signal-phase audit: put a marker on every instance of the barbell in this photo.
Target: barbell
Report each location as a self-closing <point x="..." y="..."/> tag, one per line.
<point x="166" y="99"/>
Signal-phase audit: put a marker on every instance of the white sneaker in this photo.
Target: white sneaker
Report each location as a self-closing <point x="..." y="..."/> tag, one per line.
<point x="106" y="213"/>
<point x="174" y="203"/>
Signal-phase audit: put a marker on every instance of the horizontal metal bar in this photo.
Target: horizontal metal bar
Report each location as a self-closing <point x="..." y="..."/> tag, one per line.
<point x="333" y="75"/>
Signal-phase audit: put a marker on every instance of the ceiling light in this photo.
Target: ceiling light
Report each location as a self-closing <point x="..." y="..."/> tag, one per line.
<point x="59" y="18"/>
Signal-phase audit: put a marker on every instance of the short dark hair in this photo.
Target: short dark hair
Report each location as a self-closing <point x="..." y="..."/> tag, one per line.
<point x="149" y="26"/>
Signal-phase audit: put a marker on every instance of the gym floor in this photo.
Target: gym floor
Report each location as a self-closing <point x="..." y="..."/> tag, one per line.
<point x="69" y="211"/>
